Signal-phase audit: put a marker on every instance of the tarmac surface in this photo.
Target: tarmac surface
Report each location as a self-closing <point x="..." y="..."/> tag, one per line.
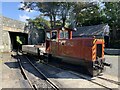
<point x="10" y="73"/>
<point x="115" y="61"/>
<point x="65" y="79"/>
<point x="11" y="77"/>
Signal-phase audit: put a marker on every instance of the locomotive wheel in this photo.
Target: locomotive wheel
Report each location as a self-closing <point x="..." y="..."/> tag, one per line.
<point x="94" y="72"/>
<point x="49" y="57"/>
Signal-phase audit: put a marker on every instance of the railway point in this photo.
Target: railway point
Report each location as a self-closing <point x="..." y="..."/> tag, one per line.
<point x="45" y="46"/>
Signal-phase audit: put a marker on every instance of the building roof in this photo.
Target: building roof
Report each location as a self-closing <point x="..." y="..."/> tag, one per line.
<point x="60" y="28"/>
<point x="96" y="30"/>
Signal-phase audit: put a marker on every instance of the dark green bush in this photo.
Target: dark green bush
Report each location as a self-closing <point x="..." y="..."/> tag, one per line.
<point x="115" y="44"/>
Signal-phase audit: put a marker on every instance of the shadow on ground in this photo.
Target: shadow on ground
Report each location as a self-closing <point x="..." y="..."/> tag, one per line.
<point x="50" y="72"/>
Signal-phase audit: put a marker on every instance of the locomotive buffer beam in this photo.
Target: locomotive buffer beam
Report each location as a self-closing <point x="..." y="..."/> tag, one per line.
<point x="96" y="66"/>
<point x="107" y="64"/>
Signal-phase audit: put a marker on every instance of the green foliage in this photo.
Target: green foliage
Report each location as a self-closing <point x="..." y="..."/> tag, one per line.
<point x="48" y="9"/>
<point x="112" y="12"/>
<point x="39" y="23"/>
<point x="53" y="10"/>
<point x="78" y="13"/>
<point x="87" y="15"/>
<point x="115" y="44"/>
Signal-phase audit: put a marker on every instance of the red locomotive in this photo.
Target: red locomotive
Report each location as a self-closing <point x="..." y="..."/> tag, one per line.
<point x="88" y="52"/>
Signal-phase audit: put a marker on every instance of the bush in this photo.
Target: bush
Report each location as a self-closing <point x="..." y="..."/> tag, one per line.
<point x="115" y="44"/>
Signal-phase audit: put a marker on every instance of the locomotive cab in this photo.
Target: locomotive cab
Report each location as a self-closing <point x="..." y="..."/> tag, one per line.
<point x="56" y="35"/>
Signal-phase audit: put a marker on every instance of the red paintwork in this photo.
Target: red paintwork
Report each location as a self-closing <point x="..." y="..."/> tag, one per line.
<point x="76" y="48"/>
<point x="79" y="48"/>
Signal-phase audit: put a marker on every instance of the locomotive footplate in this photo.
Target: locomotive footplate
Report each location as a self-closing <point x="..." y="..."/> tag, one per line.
<point x="98" y="64"/>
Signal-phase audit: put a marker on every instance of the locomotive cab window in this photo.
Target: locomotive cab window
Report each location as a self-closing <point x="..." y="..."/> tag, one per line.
<point x="48" y="35"/>
<point x="64" y="34"/>
<point x="54" y="35"/>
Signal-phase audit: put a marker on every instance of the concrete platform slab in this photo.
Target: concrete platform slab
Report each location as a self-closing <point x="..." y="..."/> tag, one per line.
<point x="111" y="51"/>
<point x="114" y="60"/>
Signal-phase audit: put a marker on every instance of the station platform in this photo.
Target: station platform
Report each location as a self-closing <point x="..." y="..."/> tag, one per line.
<point x="111" y="51"/>
<point x="10" y="74"/>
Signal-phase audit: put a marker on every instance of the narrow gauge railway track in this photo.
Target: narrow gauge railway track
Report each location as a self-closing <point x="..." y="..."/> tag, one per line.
<point x="25" y="76"/>
<point x="100" y="81"/>
<point x="112" y="81"/>
<point x="95" y="79"/>
<point x="35" y="87"/>
<point x="73" y="70"/>
<point x="103" y="81"/>
<point x="99" y="77"/>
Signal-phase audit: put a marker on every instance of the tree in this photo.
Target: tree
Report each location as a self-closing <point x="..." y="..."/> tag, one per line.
<point x="86" y="14"/>
<point x="77" y="13"/>
<point x="48" y="9"/>
<point x="80" y="14"/>
<point x="65" y="9"/>
<point x="53" y="10"/>
<point x="39" y="23"/>
<point x="112" y="12"/>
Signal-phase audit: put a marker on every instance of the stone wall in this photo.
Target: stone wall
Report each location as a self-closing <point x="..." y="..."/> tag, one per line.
<point x="9" y="25"/>
<point x="6" y="41"/>
<point x="12" y="25"/>
<point x="1" y="46"/>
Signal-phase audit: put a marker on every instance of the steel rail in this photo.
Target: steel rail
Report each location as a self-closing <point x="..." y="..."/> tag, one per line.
<point x="53" y="85"/>
<point x="23" y="71"/>
<point x="112" y="81"/>
<point x="85" y="77"/>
